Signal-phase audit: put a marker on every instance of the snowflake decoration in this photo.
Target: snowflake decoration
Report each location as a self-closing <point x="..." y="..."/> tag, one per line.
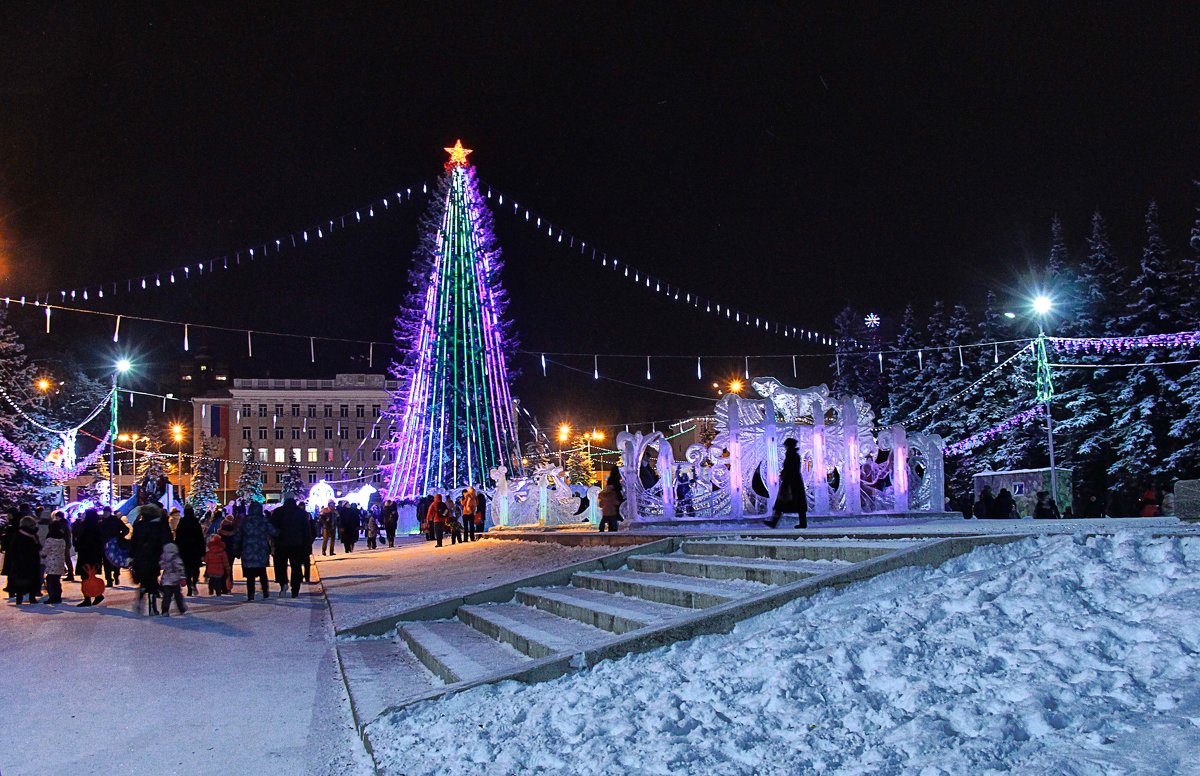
<point x="872" y="321"/>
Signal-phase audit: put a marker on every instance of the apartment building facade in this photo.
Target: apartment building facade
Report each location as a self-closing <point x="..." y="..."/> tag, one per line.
<point x="335" y="429"/>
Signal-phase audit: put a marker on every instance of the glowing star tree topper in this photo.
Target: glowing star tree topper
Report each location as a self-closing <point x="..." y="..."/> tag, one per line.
<point x="453" y="416"/>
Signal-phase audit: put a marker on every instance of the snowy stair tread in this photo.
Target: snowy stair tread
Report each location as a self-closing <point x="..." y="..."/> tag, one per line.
<point x="674" y="589"/>
<point x="535" y="632"/>
<point x="764" y="570"/>
<point x="378" y="671"/>
<point x="458" y="653"/>
<point x="794" y="549"/>
<point x="611" y="612"/>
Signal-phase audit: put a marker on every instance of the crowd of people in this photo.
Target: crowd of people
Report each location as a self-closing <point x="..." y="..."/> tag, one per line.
<point x="168" y="553"/>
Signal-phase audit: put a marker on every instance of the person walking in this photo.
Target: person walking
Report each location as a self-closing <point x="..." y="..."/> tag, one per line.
<point x="173" y="576"/>
<point x="391" y="520"/>
<point x="468" y="514"/>
<point x="423" y="504"/>
<point x="189" y="538"/>
<point x="150" y="533"/>
<point x="328" y="520"/>
<point x="254" y="538"/>
<point x="372" y="531"/>
<point x="278" y="555"/>
<point x="610" y="507"/>
<point x="112" y="528"/>
<point x="295" y="540"/>
<point x="1045" y="508"/>
<point x="791" y="497"/>
<point x="436" y="517"/>
<point x="53" y="558"/>
<point x="89" y="553"/>
<point x="348" y="525"/>
<point x="23" y="561"/>
<point x="216" y="566"/>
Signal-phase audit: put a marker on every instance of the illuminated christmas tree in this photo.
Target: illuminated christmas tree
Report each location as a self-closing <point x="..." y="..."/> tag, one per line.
<point x="453" y="415"/>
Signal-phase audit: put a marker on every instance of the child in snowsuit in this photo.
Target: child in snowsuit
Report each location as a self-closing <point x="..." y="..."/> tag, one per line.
<point x="173" y="575"/>
<point x="54" y="553"/>
<point x="216" y="566"/>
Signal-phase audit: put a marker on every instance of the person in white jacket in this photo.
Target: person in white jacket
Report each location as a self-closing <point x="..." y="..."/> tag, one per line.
<point x="54" y="564"/>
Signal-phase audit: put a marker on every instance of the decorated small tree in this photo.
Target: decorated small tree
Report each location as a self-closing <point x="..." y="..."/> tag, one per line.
<point x="203" y="490"/>
<point x="249" y="486"/>
<point x="293" y="482"/>
<point x="579" y="463"/>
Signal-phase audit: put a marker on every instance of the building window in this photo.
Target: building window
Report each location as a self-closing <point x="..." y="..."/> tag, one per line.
<point x="262" y="432"/>
<point x="279" y="433"/>
<point x="328" y="457"/>
<point x="278" y="478"/>
<point x="360" y="433"/>
<point x="295" y="433"/>
<point x="312" y="478"/>
<point x="329" y="433"/>
<point x="247" y="452"/>
<point x="278" y="410"/>
<point x="245" y="432"/>
<point x="280" y="455"/>
<point x="329" y="410"/>
<point x="312" y="433"/>
<point x="246" y="410"/>
<point x="296" y="452"/>
<point x="376" y="479"/>
<point x="344" y="411"/>
<point x="359" y="411"/>
<point x="375" y="433"/>
<point x="343" y="433"/>
<point x="312" y="455"/>
<point x="262" y="454"/>
<point x="329" y="474"/>
<point x="376" y="455"/>
<point x="375" y="410"/>
<point x="362" y="455"/>
<point x="262" y="410"/>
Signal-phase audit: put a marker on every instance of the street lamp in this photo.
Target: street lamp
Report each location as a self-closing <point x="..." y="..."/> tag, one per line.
<point x="121" y="367"/>
<point x="177" y="435"/>
<point x="564" y="434"/>
<point x="1042" y="305"/>
<point x="735" y="386"/>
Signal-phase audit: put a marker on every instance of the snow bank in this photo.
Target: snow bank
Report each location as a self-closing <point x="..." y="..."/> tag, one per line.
<point x="1053" y="654"/>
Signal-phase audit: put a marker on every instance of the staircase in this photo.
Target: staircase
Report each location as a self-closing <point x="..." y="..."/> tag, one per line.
<point x="697" y="586"/>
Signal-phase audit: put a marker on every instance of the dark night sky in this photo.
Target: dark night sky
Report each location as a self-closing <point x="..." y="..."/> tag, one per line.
<point x="787" y="161"/>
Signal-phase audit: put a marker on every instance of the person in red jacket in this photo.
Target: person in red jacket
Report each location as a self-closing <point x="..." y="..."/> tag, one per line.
<point x="216" y="565"/>
<point x="436" y="516"/>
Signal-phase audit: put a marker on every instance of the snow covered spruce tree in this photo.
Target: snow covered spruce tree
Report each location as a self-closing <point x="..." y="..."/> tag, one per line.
<point x="905" y="377"/>
<point x="18" y="485"/>
<point x="1149" y="395"/>
<point x="293" y="482"/>
<point x="203" y="490"/>
<point x="250" y="482"/>
<point x="150" y="458"/>
<point x="1184" y="461"/>
<point x="580" y="468"/>
<point x="856" y="368"/>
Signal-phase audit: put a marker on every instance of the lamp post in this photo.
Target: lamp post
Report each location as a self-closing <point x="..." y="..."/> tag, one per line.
<point x="121" y="367"/>
<point x="564" y="434"/>
<point x="177" y="435"/>
<point x="1042" y="305"/>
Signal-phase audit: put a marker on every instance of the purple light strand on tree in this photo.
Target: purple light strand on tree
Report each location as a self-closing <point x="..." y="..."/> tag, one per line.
<point x="975" y="440"/>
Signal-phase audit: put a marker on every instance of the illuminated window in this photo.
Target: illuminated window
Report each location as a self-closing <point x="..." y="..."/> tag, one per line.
<point x="262" y="454"/>
<point x="220" y="378"/>
<point x="280" y="455"/>
<point x="312" y="455"/>
<point x="187" y="377"/>
<point x="329" y="457"/>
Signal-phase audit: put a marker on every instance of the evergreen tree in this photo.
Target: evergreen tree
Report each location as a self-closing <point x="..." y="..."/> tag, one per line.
<point x="1149" y="397"/>
<point x="997" y="398"/>
<point x="929" y="363"/>
<point x="203" y="490"/>
<point x="1184" y="462"/>
<point x="1062" y="282"/>
<point x="18" y="485"/>
<point x="951" y="376"/>
<point x="293" y="482"/>
<point x="904" y="375"/>
<point x="856" y="366"/>
<point x="579" y="465"/>
<point x="151" y="461"/>
<point x="250" y="483"/>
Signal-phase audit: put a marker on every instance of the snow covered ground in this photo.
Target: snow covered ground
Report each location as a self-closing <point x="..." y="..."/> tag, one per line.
<point x="368" y="585"/>
<point x="230" y="688"/>
<point x="1056" y="654"/>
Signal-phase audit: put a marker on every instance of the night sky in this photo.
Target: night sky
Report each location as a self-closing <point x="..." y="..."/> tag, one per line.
<point x="786" y="162"/>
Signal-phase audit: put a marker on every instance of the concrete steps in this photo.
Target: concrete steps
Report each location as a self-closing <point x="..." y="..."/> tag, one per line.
<point x="673" y="589"/>
<point x="614" y="613"/>
<point x="590" y="612"/>
<point x="532" y="631"/>
<point x="456" y="652"/>
<point x="792" y="549"/>
<point x="769" y="572"/>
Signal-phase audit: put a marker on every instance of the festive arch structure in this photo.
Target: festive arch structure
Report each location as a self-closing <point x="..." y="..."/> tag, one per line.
<point x="454" y="415"/>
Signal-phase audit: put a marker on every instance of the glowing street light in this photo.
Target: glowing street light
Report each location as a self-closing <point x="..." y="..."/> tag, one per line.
<point x="564" y="433"/>
<point x="1042" y="304"/>
<point x="43" y="385"/>
<point x="735" y="386"/>
<point x="177" y="435"/>
<point x="124" y="365"/>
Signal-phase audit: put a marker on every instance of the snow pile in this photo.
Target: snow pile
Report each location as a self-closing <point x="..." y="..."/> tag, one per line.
<point x="1052" y="654"/>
